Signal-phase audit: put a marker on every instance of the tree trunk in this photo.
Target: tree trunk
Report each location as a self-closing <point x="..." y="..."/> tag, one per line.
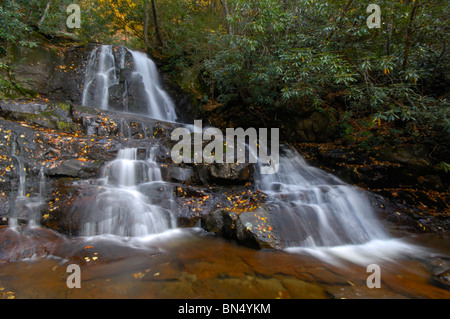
<point x="387" y="45"/>
<point x="227" y="13"/>
<point x="47" y="7"/>
<point x="155" y="18"/>
<point x="409" y="33"/>
<point x="146" y="21"/>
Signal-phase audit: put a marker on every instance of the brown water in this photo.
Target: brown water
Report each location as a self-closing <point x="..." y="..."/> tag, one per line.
<point x="187" y="264"/>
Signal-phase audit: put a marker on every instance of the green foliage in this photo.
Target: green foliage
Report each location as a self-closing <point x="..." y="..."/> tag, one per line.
<point x="278" y="57"/>
<point x="445" y="167"/>
<point x="13" y="29"/>
<point x="19" y="18"/>
<point x="20" y="21"/>
<point x="290" y="53"/>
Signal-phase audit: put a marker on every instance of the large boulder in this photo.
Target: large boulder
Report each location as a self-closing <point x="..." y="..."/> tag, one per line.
<point x="252" y="228"/>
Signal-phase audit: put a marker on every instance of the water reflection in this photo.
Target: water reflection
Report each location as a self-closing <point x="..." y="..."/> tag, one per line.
<point x="190" y="264"/>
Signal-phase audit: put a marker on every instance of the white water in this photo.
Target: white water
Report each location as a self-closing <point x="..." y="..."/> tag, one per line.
<point x="102" y="72"/>
<point x="321" y="215"/>
<point x="159" y="104"/>
<point x="30" y="206"/>
<point x="122" y="208"/>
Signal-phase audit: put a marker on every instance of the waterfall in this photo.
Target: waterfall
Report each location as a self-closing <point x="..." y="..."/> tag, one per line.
<point x="107" y="79"/>
<point x="22" y="179"/>
<point x="318" y="213"/>
<point x="23" y="205"/>
<point x="318" y="208"/>
<point x="42" y="183"/>
<point x="102" y="74"/>
<point x="159" y="104"/>
<point x="126" y="205"/>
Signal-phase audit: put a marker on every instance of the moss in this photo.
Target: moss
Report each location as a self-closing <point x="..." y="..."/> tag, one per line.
<point x="49" y="114"/>
<point x="30" y="117"/>
<point x="65" y="126"/>
<point x="63" y="106"/>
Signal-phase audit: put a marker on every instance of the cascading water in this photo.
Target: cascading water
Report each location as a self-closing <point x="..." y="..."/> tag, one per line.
<point x="107" y="76"/>
<point x="319" y="214"/>
<point x="159" y="104"/>
<point x="126" y="206"/>
<point x="102" y="74"/>
<point x="25" y="206"/>
<point x="323" y="210"/>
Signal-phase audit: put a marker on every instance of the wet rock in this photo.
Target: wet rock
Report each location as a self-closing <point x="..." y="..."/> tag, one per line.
<point x="158" y="193"/>
<point x="23" y="107"/>
<point x="54" y="115"/>
<point x="440" y="272"/>
<point x="34" y="67"/>
<point x="70" y="168"/>
<point x="168" y="271"/>
<point x="254" y="229"/>
<point x="96" y="252"/>
<point x="24" y="242"/>
<point x="180" y="174"/>
<point x="232" y="172"/>
<point x="54" y="72"/>
<point x="27" y="209"/>
<point x="214" y="221"/>
<point x="413" y="155"/>
<point x="118" y="124"/>
<point x="250" y="228"/>
<point x="4" y="210"/>
<point x="222" y="173"/>
<point x="136" y="94"/>
<point x="70" y="206"/>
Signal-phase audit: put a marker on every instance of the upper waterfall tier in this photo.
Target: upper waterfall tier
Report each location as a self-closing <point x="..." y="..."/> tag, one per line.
<point x="120" y="79"/>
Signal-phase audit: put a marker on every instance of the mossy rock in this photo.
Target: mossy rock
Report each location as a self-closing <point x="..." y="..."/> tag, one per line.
<point x="68" y="127"/>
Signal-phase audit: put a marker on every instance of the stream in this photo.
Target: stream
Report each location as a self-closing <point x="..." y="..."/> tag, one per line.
<point x="190" y="264"/>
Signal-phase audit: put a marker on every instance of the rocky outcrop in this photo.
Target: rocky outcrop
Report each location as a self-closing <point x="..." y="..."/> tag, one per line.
<point x="62" y="148"/>
<point x="56" y="72"/>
